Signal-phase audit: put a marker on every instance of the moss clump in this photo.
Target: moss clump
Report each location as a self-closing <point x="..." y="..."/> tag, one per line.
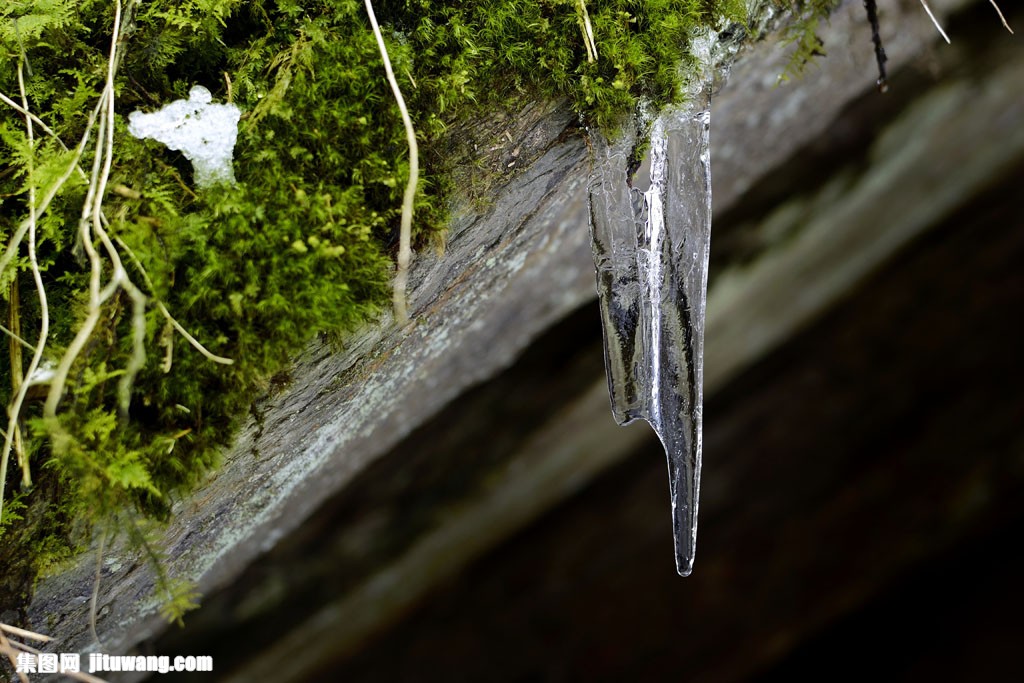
<point x="300" y="245"/>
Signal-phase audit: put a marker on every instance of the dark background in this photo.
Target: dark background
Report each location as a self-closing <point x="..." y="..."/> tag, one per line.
<point x="862" y="513"/>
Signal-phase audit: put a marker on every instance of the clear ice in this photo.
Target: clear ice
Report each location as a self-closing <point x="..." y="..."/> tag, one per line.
<point x="651" y="254"/>
<point x="204" y="132"/>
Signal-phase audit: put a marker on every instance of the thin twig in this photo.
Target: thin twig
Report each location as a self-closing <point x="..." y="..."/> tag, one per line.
<point x="138" y="357"/>
<point x="96" y="295"/>
<point x="1001" y="17"/>
<point x="876" y="38"/>
<point x="588" y="30"/>
<point x="49" y="131"/>
<point x="13" y="647"/>
<point x="15" y="337"/>
<point x="405" y="236"/>
<point x="92" y="225"/>
<point x="35" y="119"/>
<point x="163" y="309"/>
<point x="17" y="366"/>
<point x="22" y="647"/>
<point x="22" y="633"/>
<point x="19" y="234"/>
<point x="13" y="436"/>
<point x="5" y="646"/>
<point x="27" y="226"/>
<point x="44" y="309"/>
<point x="14" y="318"/>
<point x="934" y="20"/>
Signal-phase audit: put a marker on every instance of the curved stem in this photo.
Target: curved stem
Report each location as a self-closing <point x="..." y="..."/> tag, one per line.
<point x="167" y="314"/>
<point x="14" y="410"/>
<point x="935" y="21"/>
<point x="405" y="236"/>
<point x="1001" y="17"/>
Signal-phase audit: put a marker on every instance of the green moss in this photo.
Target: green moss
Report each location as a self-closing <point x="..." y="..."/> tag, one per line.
<point x="803" y="33"/>
<point x="301" y="245"/>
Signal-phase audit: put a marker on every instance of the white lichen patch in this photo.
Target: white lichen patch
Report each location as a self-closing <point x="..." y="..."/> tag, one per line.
<point x="204" y="132"/>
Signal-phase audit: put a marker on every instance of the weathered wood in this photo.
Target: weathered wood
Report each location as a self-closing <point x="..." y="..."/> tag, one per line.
<point x="508" y="272"/>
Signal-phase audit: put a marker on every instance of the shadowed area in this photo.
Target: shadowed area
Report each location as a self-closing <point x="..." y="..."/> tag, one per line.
<point x="861" y="485"/>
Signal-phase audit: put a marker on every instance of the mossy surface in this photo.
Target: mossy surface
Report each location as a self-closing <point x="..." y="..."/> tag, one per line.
<point x="301" y="245"/>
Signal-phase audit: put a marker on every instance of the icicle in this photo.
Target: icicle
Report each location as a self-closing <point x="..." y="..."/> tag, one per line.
<point x="651" y="254"/>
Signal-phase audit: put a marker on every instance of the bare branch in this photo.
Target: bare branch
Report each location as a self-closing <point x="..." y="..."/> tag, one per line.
<point x="588" y="30"/>
<point x="934" y="20"/>
<point x="1001" y="17"/>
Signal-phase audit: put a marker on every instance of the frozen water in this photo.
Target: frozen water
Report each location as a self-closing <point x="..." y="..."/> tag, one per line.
<point x="651" y="254"/>
<point x="204" y="132"/>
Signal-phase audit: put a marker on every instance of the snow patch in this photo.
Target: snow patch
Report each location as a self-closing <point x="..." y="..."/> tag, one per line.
<point x="204" y="132"/>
